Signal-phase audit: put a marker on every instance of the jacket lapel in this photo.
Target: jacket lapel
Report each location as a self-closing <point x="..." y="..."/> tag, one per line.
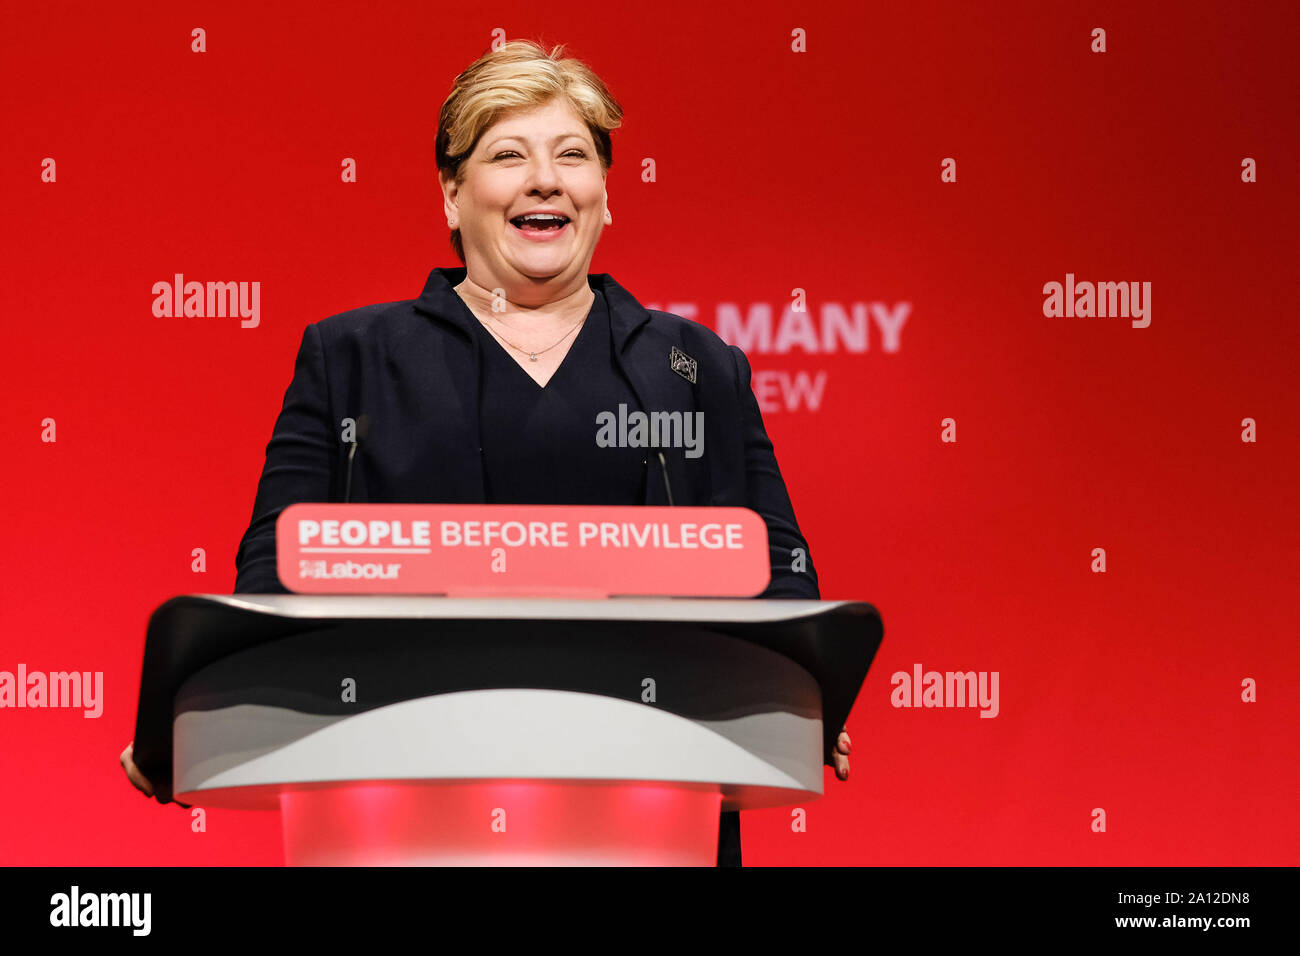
<point x="464" y="368"/>
<point x="644" y="359"/>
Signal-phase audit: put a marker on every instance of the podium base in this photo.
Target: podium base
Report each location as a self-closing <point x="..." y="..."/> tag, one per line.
<point x="501" y="823"/>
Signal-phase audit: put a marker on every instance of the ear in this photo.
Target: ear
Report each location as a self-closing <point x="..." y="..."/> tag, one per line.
<point x="609" y="218"/>
<point x="449" y="192"/>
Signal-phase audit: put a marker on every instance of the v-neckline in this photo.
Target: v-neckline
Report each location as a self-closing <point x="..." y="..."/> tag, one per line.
<point x="595" y="303"/>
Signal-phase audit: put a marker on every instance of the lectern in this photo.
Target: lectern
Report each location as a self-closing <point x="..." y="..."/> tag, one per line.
<point x="466" y="731"/>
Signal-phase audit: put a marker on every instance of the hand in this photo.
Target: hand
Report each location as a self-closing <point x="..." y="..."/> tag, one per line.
<point x="843" y="747"/>
<point x="138" y="780"/>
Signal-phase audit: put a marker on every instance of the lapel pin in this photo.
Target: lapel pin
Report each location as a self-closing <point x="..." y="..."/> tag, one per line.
<point x="682" y="364"/>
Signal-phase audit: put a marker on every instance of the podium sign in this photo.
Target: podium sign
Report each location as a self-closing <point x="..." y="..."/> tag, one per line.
<point x="578" y="551"/>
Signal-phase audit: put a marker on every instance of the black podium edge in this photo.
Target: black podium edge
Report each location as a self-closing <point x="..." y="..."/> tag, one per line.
<point x="835" y="644"/>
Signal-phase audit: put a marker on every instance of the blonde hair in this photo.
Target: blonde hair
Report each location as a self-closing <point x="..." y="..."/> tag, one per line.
<point x="519" y="74"/>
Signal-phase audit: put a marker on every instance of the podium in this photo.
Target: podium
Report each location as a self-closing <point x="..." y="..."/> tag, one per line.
<point x="425" y="730"/>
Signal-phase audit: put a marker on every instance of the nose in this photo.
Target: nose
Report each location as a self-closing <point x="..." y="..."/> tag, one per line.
<point x="542" y="176"/>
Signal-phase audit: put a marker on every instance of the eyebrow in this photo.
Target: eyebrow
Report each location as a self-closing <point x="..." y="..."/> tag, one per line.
<point x="555" y="139"/>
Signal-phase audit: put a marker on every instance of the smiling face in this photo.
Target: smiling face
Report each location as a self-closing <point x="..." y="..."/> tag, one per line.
<point x="529" y="162"/>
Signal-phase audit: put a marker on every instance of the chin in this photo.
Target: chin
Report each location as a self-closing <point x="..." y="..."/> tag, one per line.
<point x="543" y="269"/>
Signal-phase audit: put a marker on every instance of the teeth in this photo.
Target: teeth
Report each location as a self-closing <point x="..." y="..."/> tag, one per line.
<point x="543" y="217"/>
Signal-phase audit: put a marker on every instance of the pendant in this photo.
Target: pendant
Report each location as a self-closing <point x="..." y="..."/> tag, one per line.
<point x="533" y="356"/>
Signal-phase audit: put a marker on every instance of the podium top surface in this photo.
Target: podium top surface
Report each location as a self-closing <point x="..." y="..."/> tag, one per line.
<point x="700" y="610"/>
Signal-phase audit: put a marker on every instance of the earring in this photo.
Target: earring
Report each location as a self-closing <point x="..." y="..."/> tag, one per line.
<point x="451" y="223"/>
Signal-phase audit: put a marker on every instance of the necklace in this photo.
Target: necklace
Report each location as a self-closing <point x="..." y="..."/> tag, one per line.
<point x="533" y="355"/>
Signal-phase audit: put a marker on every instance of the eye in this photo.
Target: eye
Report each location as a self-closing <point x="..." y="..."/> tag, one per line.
<point x="580" y="154"/>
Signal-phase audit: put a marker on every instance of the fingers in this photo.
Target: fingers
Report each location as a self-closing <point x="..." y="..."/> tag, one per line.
<point x="138" y="779"/>
<point x="840" y="755"/>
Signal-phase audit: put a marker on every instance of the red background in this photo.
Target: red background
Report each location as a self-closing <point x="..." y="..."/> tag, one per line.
<point x="776" y="170"/>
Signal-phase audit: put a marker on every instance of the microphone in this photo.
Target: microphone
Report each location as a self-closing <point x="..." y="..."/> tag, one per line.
<point x="362" y="429"/>
<point x="668" y="487"/>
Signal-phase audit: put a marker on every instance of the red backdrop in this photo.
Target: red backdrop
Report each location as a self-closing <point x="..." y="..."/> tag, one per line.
<point x="776" y="170"/>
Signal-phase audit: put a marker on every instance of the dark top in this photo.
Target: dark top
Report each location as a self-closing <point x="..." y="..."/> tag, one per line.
<point x="409" y="373"/>
<point x="539" y="443"/>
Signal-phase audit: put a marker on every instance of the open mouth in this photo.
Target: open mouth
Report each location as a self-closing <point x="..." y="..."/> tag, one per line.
<point x="540" y="225"/>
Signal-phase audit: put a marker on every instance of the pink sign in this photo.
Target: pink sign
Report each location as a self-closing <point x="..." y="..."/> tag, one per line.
<point x="522" y="550"/>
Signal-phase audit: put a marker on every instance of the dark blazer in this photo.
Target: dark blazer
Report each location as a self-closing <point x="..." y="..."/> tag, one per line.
<point x="408" y="373"/>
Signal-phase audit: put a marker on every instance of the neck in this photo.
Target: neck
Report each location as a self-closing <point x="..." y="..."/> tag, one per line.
<point x="524" y="309"/>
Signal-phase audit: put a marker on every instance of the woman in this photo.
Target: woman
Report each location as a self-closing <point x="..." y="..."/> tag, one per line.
<point x="486" y="388"/>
